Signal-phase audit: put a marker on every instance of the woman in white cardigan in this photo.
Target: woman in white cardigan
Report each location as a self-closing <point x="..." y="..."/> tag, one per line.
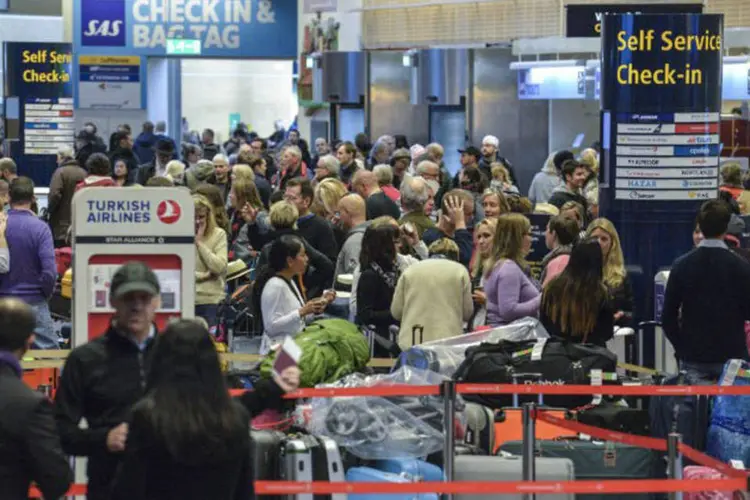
<point x="278" y="296"/>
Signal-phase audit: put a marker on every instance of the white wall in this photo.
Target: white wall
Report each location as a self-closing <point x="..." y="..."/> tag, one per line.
<point x="568" y="118"/>
<point x="260" y="90"/>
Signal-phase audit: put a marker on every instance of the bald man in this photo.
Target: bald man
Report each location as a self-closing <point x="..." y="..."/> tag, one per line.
<point x="353" y="219"/>
<point x="377" y="203"/>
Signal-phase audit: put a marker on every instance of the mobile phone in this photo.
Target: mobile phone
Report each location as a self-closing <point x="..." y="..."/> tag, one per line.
<point x="287" y="356"/>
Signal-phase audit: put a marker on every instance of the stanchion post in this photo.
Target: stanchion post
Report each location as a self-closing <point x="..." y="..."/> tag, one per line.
<point x="674" y="461"/>
<point x="448" y="391"/>
<point x="529" y="445"/>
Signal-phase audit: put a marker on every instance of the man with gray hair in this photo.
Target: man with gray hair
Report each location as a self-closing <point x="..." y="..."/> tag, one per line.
<point x="4" y="197"/>
<point x="415" y="194"/>
<point x="291" y="166"/>
<point x="62" y="187"/>
<point x="327" y="168"/>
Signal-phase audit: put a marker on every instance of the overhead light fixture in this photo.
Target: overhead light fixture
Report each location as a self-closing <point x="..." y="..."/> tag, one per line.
<point x="552" y="63"/>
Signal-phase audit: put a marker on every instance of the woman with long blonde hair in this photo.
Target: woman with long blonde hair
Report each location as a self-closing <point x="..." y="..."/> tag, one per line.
<point x="614" y="273"/>
<point x="210" y="262"/>
<point x="484" y="237"/>
<point x="511" y="294"/>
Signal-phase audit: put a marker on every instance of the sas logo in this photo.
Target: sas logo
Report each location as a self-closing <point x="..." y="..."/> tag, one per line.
<point x="168" y="211"/>
<point x="103" y="23"/>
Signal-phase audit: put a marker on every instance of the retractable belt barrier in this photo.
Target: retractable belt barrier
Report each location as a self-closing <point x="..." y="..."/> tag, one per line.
<point x="737" y="479"/>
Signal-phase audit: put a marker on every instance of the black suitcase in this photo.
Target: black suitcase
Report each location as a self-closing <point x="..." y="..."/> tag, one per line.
<point x="265" y="455"/>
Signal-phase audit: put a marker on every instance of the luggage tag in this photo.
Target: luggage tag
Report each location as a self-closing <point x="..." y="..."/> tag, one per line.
<point x="538" y="349"/>
<point x="610" y="455"/>
<point x="737" y="464"/>
<point x="597" y="378"/>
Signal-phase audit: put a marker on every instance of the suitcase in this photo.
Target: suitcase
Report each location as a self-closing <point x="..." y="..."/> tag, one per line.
<point x="509" y="426"/>
<point x="498" y="468"/>
<point x="616" y="418"/>
<point x="311" y="458"/>
<point x="417" y="469"/>
<point x="480" y="427"/>
<point x="370" y="475"/>
<point x="265" y="449"/>
<point x="595" y="460"/>
<point x="698" y="472"/>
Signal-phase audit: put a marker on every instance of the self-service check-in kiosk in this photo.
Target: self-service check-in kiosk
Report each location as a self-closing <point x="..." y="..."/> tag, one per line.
<point x="112" y="226"/>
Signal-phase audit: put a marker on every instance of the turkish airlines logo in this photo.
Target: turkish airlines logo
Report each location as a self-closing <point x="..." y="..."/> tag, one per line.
<point x="168" y="211"/>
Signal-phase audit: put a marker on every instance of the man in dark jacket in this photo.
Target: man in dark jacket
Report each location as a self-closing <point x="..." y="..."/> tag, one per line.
<point x="30" y="449"/>
<point x="87" y="144"/>
<point x="158" y="167"/>
<point x="145" y="142"/>
<point x="209" y="147"/>
<point x="62" y="187"/>
<point x="104" y="378"/>
<point x="491" y="154"/>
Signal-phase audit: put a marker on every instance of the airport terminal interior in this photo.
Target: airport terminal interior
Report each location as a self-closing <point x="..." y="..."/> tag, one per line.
<point x="375" y="249"/>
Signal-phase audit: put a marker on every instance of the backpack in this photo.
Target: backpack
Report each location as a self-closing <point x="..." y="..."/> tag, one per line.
<point x="331" y="349"/>
<point x="557" y="361"/>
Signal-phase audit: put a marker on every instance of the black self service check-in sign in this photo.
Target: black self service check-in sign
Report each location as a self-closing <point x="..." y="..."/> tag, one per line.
<point x="586" y="20"/>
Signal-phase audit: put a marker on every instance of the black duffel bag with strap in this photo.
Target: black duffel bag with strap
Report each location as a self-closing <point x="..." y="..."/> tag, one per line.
<point x="558" y="361"/>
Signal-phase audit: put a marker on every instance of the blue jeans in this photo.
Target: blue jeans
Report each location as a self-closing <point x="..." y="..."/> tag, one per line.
<point x="692" y="425"/>
<point x="44" y="331"/>
<point x="209" y="313"/>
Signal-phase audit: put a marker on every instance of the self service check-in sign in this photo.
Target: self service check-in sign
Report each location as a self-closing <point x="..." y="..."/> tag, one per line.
<point x="662" y="86"/>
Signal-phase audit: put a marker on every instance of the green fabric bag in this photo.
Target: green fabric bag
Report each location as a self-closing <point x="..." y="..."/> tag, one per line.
<point x="331" y="349"/>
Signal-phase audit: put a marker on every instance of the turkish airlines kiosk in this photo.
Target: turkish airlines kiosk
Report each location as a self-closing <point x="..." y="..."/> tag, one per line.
<point x="115" y="225"/>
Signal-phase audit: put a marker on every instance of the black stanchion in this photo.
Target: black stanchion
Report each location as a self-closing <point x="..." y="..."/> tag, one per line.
<point x="674" y="461"/>
<point x="448" y="392"/>
<point x="529" y="445"/>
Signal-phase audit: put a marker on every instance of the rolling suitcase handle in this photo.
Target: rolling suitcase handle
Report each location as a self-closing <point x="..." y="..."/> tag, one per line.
<point x="414" y="330"/>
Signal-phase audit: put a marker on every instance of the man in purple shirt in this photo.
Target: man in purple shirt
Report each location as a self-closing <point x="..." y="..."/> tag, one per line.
<point x="32" y="272"/>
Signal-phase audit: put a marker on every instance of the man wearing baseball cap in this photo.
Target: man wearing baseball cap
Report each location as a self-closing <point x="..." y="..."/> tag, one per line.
<point x="491" y="154"/>
<point x="104" y="378"/>
<point x="470" y="157"/>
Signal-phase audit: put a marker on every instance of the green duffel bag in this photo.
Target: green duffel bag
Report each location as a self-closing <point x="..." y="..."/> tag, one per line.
<point x="331" y="349"/>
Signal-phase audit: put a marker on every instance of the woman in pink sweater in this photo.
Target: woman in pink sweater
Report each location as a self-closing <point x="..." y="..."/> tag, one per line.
<point x="562" y="233"/>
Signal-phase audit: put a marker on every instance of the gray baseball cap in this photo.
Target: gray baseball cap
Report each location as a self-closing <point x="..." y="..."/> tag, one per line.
<point x="134" y="277"/>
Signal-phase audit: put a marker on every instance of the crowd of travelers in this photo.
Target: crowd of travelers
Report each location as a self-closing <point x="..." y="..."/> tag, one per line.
<point x="415" y="245"/>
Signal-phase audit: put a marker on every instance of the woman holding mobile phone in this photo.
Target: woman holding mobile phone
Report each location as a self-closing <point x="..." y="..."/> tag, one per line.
<point x="282" y="304"/>
<point x="484" y="236"/>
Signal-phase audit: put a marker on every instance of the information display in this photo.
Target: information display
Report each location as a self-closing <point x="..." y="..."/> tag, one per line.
<point x="661" y="79"/>
<point x="109" y="82"/>
<point x="38" y="105"/>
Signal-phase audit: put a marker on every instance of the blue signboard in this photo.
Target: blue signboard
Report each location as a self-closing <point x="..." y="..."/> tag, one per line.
<point x="225" y="28"/>
<point x="661" y="85"/>
<point x="562" y="82"/>
<point x="38" y="105"/>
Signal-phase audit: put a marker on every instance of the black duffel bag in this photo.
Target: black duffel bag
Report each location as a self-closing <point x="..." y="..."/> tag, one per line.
<point x="559" y="362"/>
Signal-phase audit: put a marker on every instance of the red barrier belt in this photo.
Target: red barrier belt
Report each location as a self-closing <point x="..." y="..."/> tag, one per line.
<point x="75" y="490"/>
<point x="489" y="389"/>
<point x="603" y="434"/>
<point x="614" y="390"/>
<point x="642" y="442"/>
<point x="478" y="488"/>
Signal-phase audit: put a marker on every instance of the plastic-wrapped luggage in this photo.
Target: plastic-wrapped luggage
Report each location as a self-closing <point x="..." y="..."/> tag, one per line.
<point x="376" y="428"/>
<point x="558" y="362"/>
<point x="371" y="475"/>
<point x="729" y="432"/>
<point x="444" y="356"/>
<point x="699" y="472"/>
